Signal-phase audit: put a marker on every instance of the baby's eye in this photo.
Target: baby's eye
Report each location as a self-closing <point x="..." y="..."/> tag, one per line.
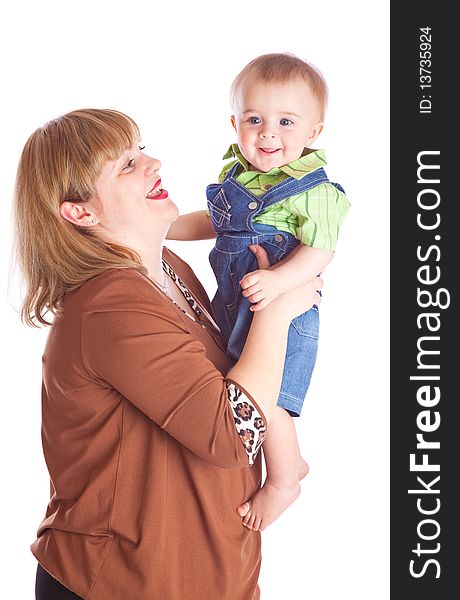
<point x="254" y="120"/>
<point x="141" y="148"/>
<point x="286" y="122"/>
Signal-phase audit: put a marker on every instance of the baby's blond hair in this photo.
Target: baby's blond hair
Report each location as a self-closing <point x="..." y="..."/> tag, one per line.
<point x="282" y="68"/>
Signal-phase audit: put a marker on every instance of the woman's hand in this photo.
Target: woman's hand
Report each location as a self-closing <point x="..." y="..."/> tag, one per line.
<point x="262" y="286"/>
<point x="294" y="302"/>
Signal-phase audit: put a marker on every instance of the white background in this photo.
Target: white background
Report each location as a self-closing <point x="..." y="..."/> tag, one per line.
<point x="169" y="65"/>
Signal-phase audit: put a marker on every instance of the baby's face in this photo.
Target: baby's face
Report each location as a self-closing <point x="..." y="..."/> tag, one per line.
<point x="275" y="122"/>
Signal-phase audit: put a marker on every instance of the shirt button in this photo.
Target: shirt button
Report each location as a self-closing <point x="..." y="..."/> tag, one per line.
<point x="278" y="238"/>
<point x="252" y="205"/>
<point x="268" y="186"/>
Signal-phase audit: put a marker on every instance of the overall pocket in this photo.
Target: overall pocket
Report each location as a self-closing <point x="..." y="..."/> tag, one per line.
<point x="220" y="210"/>
<point x="308" y="323"/>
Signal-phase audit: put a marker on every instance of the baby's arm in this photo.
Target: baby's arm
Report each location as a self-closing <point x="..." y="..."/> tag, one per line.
<point x="192" y="226"/>
<point x="264" y="285"/>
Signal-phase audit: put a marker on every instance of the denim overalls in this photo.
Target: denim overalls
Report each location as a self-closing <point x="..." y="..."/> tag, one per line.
<point x="232" y="208"/>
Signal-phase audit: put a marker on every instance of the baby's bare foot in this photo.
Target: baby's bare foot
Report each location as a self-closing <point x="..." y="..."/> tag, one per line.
<point x="267" y="505"/>
<point x="302" y="469"/>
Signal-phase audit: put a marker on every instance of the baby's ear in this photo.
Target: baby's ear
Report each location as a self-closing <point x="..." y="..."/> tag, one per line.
<point x="317" y="129"/>
<point x="233" y="120"/>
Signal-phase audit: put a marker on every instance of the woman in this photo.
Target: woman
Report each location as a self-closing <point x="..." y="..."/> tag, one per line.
<point x="150" y="443"/>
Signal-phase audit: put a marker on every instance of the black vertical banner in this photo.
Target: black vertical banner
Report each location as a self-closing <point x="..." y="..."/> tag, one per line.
<point x="425" y="332"/>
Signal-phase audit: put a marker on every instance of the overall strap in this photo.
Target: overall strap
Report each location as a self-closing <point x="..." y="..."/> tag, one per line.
<point x="291" y="186"/>
<point x="338" y="186"/>
<point x="232" y="171"/>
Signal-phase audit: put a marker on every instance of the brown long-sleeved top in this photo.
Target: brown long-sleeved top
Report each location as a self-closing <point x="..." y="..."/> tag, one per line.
<point x="146" y="464"/>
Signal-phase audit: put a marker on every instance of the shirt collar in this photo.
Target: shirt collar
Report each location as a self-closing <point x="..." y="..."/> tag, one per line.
<point x="309" y="161"/>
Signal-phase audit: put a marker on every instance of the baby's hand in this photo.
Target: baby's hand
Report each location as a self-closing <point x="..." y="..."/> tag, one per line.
<point x="261" y="287"/>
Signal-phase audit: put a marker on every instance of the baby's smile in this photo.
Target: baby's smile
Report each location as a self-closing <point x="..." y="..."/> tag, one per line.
<point x="269" y="150"/>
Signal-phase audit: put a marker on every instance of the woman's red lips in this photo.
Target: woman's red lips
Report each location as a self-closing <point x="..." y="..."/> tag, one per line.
<point x="157" y="183"/>
<point x="161" y="195"/>
<point x="157" y="193"/>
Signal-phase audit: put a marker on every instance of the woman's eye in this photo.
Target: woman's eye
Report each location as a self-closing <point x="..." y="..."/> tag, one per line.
<point x="254" y="120"/>
<point x="286" y="122"/>
<point x="129" y="164"/>
<point x="141" y="148"/>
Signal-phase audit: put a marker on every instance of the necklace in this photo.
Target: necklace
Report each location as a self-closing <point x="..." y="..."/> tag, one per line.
<point x="165" y="290"/>
<point x="163" y="287"/>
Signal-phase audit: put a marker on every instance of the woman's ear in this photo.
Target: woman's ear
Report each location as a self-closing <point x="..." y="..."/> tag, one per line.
<point x="78" y="214"/>
<point x="317" y="129"/>
<point x="232" y="119"/>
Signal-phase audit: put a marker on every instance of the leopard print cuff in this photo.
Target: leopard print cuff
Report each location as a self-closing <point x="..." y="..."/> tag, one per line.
<point x="248" y="422"/>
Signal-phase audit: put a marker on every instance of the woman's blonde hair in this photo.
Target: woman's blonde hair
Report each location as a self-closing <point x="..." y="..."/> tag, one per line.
<point x="61" y="162"/>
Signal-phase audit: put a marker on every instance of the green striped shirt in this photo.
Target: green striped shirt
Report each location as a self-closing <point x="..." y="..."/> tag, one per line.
<point x="313" y="217"/>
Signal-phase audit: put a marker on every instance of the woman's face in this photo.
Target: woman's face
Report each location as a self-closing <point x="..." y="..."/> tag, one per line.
<point x="133" y="205"/>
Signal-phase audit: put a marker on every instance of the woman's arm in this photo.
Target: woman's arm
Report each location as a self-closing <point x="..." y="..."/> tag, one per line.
<point x="134" y="343"/>
<point x="192" y="226"/>
<point x="260" y="367"/>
